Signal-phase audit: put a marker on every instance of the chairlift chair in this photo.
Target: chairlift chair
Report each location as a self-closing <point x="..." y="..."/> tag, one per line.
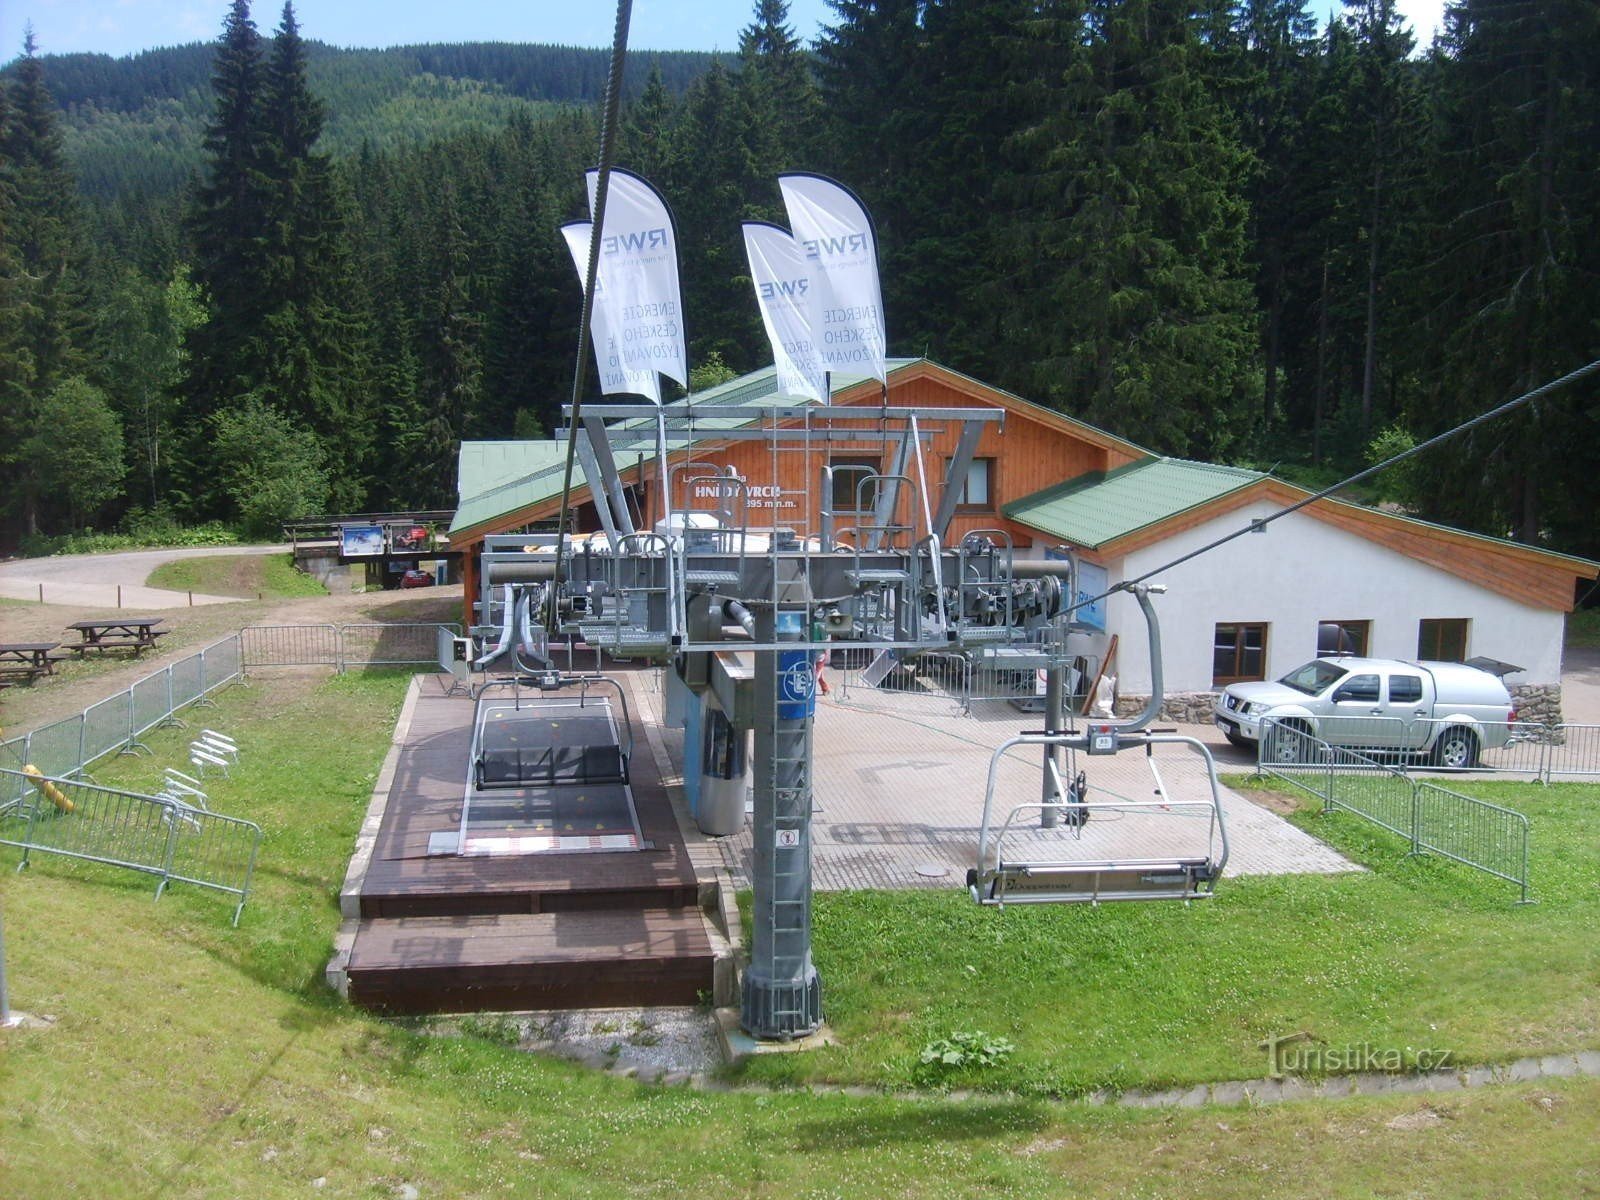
<point x="1038" y="874"/>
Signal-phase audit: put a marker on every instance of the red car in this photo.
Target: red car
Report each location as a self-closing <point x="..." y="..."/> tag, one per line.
<point x="416" y="579"/>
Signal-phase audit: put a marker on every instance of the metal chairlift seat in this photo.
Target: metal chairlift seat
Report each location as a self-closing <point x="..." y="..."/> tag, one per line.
<point x="1038" y="875"/>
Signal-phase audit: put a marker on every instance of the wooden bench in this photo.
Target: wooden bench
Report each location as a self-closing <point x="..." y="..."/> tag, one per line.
<point x="26" y="661"/>
<point x="129" y="633"/>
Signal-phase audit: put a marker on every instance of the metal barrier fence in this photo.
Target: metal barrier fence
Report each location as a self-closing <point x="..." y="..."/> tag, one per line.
<point x="379" y="645"/>
<point x="1571" y="750"/>
<point x="341" y="646"/>
<point x="67" y="747"/>
<point x="1474" y="832"/>
<point x="156" y="835"/>
<point x="1541" y="752"/>
<point x="1006" y="675"/>
<point x="289" y="646"/>
<point x="1431" y="818"/>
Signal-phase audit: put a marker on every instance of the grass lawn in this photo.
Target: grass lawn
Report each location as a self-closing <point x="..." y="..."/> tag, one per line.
<point x="1415" y="953"/>
<point x="191" y="1059"/>
<point x="264" y="576"/>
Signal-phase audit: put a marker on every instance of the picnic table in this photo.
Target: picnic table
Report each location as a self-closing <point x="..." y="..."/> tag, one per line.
<point x="28" y="660"/>
<point x="122" y="633"/>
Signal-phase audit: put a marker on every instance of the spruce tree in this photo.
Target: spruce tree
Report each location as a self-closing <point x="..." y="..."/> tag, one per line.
<point x="1512" y="264"/>
<point x="777" y="91"/>
<point x="45" y="327"/>
<point x="228" y="227"/>
<point x="1277" y="48"/>
<point x="712" y="184"/>
<point x="1386" y="109"/>
<point x="1137" y="313"/>
<point x="313" y="329"/>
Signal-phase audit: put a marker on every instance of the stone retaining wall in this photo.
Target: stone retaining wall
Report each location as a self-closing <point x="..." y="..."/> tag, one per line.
<point x="1186" y="708"/>
<point x="1539" y="703"/>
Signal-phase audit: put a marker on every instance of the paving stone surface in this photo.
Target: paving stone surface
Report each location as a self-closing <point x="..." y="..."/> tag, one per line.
<point x="899" y="789"/>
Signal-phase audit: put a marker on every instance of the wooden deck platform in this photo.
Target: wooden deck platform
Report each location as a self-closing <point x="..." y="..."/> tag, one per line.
<point x="404" y="881"/>
<point x="449" y="933"/>
<point x="508" y="962"/>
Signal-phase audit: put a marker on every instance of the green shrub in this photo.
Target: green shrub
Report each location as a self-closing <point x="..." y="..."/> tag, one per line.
<point x="962" y="1050"/>
<point x="138" y="534"/>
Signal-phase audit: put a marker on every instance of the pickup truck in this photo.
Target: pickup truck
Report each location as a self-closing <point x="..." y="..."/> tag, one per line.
<point x="1445" y="712"/>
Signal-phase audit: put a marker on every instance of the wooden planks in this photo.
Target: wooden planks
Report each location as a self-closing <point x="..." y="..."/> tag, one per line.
<point x="429" y="783"/>
<point x="446" y="933"/>
<point x="523" y="961"/>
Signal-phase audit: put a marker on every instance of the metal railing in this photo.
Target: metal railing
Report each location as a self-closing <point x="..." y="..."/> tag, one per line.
<point x="379" y="645"/>
<point x="1472" y="831"/>
<point x="1541" y="752"/>
<point x="1008" y="674"/>
<point x="289" y="646"/>
<point x="157" y="835"/>
<point x="1433" y="819"/>
<point x="65" y="748"/>
<point x="1569" y="750"/>
<point x="342" y="647"/>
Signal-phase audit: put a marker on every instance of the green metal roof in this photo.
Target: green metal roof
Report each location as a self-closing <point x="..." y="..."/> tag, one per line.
<point x="484" y="465"/>
<point x="494" y="478"/>
<point x="1094" y="509"/>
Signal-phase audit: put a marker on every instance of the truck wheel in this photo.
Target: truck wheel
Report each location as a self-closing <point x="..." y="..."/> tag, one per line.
<point x="1457" y="748"/>
<point x="1238" y="739"/>
<point x="1289" y="743"/>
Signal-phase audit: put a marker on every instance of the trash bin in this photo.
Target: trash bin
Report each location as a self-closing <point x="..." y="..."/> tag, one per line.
<point x="724" y="765"/>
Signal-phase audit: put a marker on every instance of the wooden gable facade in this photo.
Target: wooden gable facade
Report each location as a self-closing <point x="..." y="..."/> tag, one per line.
<point x="1031" y="448"/>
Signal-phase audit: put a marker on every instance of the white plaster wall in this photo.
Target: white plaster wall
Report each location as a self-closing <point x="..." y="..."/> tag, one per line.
<point x="1300" y="571"/>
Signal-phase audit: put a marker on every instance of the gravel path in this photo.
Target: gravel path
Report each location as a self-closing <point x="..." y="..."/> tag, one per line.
<point x="111" y="580"/>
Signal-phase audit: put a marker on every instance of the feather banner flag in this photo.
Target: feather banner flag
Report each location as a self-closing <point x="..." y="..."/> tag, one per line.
<point x="835" y="232"/>
<point x="616" y="375"/>
<point x="782" y="277"/>
<point x="639" y="257"/>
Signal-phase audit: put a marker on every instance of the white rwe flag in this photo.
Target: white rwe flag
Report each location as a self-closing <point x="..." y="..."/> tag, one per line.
<point x="836" y="234"/>
<point x="639" y="253"/>
<point x="782" y="276"/>
<point x="615" y="374"/>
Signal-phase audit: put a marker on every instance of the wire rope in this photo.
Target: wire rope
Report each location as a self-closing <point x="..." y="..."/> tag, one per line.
<point x="611" y="109"/>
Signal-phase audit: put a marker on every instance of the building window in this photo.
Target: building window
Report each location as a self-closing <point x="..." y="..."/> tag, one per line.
<point x="1442" y="639"/>
<point x="977" y="490"/>
<point x="1239" y="653"/>
<point x="849" y="495"/>
<point x="1344" y="637"/>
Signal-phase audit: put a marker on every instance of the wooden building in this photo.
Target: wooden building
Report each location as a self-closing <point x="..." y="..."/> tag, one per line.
<point x="1405" y="588"/>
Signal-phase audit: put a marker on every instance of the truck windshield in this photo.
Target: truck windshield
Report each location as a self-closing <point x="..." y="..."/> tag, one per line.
<point x="1313" y="677"/>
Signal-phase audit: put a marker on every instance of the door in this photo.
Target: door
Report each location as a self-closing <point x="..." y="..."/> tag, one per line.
<point x="1408" y="702"/>
<point x="1359" y="715"/>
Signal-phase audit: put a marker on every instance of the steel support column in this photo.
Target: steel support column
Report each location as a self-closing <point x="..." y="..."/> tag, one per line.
<point x="1054" y="719"/>
<point x="781" y="996"/>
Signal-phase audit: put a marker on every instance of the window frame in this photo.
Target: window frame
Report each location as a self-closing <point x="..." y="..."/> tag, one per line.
<point x="1360" y="633"/>
<point x="990" y="475"/>
<point x="1239" y="650"/>
<point x="1440" y="628"/>
<point x="850" y="480"/>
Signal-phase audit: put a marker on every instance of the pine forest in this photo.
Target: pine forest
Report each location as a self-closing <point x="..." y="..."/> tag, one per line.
<point x="263" y="277"/>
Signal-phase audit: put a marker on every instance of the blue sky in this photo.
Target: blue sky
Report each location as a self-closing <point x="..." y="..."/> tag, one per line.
<point x="126" y="26"/>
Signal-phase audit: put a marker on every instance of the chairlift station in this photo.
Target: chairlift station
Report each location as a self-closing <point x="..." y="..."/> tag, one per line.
<point x="737" y="610"/>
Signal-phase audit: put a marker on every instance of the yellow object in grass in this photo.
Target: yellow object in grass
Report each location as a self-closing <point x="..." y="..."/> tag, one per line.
<point x="54" y="794"/>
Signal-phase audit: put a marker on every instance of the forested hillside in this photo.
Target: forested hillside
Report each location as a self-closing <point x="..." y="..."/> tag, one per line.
<point x="265" y="275"/>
